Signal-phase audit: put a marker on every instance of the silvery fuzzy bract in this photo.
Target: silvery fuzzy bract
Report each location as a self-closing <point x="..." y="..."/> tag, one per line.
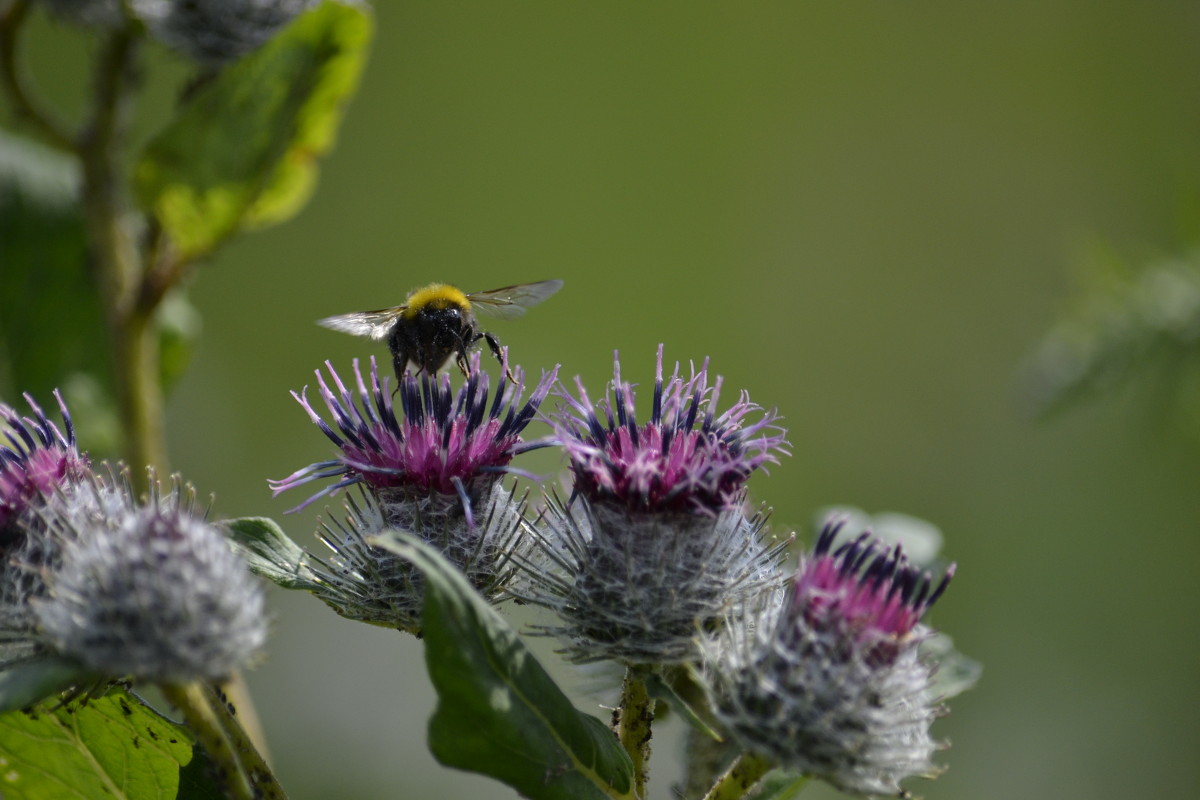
<point x="827" y="678"/>
<point x="151" y="590"/>
<point x="636" y="587"/>
<point x="364" y="582"/>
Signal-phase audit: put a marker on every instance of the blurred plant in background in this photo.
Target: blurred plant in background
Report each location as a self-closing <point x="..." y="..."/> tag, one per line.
<point x="656" y="559"/>
<point x="1129" y="321"/>
<point x="99" y="233"/>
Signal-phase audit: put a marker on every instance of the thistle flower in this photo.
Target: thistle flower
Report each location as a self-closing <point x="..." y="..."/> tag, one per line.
<point x="151" y="591"/>
<point x="448" y="443"/>
<point x="654" y="543"/>
<point x="827" y="678"/>
<point x="37" y="460"/>
<point x="436" y="471"/>
<point x="686" y="458"/>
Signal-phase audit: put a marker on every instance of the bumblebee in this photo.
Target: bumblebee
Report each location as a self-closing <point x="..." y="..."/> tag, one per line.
<point x="437" y="322"/>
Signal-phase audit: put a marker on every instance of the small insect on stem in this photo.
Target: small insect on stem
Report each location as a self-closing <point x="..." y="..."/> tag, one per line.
<point x="437" y="322"/>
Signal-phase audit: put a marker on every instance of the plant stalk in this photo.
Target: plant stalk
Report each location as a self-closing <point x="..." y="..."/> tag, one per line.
<point x="201" y="716"/>
<point x="632" y="720"/>
<point x="255" y="767"/>
<point x="118" y="265"/>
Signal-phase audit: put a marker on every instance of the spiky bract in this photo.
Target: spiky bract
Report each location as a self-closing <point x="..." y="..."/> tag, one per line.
<point x="636" y="586"/>
<point x="365" y="582"/>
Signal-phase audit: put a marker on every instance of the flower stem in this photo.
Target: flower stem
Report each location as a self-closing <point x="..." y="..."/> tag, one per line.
<point x="740" y="778"/>
<point x="631" y="723"/>
<point x="257" y="771"/>
<point x="118" y="264"/>
<point x="201" y="715"/>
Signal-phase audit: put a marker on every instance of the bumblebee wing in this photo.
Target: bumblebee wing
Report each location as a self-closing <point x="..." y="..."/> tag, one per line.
<point x="372" y="324"/>
<point x="512" y="301"/>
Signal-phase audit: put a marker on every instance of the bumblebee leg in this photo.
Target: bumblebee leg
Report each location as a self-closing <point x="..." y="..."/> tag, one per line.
<point x="494" y="344"/>
<point x="399" y="364"/>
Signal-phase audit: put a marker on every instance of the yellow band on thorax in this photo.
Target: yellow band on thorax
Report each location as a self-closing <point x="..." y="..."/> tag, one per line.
<point x="436" y="296"/>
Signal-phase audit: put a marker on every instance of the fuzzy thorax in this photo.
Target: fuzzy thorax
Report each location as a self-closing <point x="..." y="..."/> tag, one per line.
<point x="437" y="296"/>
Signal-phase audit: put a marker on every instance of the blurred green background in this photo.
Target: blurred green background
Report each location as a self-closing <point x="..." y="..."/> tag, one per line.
<point x="866" y="214"/>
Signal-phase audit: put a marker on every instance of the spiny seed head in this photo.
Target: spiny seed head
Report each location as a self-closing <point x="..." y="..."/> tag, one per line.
<point x="149" y="590"/>
<point x="637" y="586"/>
<point x="687" y="457"/>
<point x="826" y="677"/>
<point x="446" y="444"/>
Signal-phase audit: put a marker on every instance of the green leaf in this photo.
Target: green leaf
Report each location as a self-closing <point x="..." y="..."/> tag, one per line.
<point x="50" y="316"/>
<point x="241" y="153"/>
<point x="30" y="681"/>
<point x="271" y="553"/>
<point x="179" y="329"/>
<point x="112" y="746"/>
<point x="955" y="672"/>
<point x="53" y="332"/>
<point x="779" y="784"/>
<point x="1128" y="321"/>
<point x="660" y="689"/>
<point x="499" y="712"/>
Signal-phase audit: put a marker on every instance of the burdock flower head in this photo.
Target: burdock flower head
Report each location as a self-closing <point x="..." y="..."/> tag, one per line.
<point x="36" y="458"/>
<point x="827" y="678"/>
<point x="37" y="462"/>
<point x="436" y="470"/>
<point x="685" y="458"/>
<point x="148" y="590"/>
<point x="654" y="542"/>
